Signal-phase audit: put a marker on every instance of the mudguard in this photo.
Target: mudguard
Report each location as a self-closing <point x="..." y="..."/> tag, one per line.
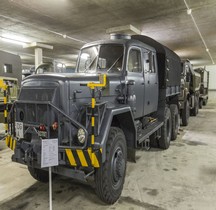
<point x="124" y="116"/>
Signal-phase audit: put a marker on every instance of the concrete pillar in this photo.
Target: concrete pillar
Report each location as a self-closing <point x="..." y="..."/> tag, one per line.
<point x="38" y="47"/>
<point x="38" y="56"/>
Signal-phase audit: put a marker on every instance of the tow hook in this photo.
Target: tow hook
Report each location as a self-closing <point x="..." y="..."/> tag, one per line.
<point x="28" y="158"/>
<point x="147" y="144"/>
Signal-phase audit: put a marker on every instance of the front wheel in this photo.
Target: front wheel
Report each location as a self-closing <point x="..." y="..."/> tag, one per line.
<point x="109" y="178"/>
<point x="39" y="174"/>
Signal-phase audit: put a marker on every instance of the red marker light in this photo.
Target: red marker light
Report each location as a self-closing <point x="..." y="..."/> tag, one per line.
<point x="42" y="128"/>
<point x="55" y="126"/>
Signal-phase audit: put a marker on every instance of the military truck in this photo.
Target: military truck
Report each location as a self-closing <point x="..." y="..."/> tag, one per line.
<point x="10" y="66"/>
<point x="123" y="95"/>
<point x="11" y="94"/>
<point x="190" y="92"/>
<point x="10" y="74"/>
<point x="203" y="97"/>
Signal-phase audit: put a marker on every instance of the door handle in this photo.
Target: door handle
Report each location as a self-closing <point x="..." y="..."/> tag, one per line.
<point x="142" y="83"/>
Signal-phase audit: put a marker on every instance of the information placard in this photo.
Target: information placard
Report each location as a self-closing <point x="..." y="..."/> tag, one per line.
<point x="49" y="153"/>
<point x="19" y="129"/>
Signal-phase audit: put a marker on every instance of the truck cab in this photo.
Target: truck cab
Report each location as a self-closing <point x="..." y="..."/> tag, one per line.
<point x="203" y="97"/>
<point x="130" y="60"/>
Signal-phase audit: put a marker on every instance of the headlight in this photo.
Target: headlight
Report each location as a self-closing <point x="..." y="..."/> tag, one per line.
<point x="81" y="135"/>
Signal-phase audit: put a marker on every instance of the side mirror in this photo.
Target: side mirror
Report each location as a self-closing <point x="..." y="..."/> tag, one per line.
<point x="131" y="82"/>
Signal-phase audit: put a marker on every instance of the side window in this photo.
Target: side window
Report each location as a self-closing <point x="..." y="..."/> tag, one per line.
<point x="134" y="61"/>
<point x="153" y="63"/>
<point x="146" y="62"/>
<point x="149" y="62"/>
<point x="8" y="68"/>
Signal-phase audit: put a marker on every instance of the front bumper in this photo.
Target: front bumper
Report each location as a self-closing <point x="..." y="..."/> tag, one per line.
<point x="30" y="154"/>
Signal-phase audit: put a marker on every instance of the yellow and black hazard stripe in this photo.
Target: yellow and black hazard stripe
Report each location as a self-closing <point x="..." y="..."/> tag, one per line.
<point x="84" y="158"/>
<point x="88" y="158"/>
<point x="5" y="110"/>
<point x="10" y="142"/>
<point x="5" y="98"/>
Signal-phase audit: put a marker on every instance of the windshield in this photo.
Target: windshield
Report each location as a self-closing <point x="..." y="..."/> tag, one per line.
<point x="50" y="68"/>
<point x="103" y="58"/>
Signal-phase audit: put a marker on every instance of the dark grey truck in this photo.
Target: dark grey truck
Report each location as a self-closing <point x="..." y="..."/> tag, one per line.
<point x="137" y="105"/>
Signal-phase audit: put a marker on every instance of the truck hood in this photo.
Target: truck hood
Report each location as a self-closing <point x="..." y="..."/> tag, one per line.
<point x="67" y="76"/>
<point x="70" y="83"/>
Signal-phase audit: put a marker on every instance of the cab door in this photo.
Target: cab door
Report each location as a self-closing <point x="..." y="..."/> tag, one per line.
<point x="135" y="73"/>
<point x="151" y="89"/>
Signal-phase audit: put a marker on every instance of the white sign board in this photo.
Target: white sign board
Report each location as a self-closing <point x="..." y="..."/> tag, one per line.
<point x="49" y="153"/>
<point x="19" y="129"/>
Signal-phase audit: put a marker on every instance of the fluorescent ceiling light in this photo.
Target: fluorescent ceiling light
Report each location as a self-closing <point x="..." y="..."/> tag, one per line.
<point x="189" y="11"/>
<point x="12" y="41"/>
<point x="16" y="37"/>
<point x="60" y="65"/>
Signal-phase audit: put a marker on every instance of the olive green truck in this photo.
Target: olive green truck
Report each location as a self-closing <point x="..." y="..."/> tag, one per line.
<point x="190" y="92"/>
<point x="203" y="97"/>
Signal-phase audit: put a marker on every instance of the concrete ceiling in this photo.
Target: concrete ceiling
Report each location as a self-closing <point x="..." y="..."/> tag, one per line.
<point x="68" y="24"/>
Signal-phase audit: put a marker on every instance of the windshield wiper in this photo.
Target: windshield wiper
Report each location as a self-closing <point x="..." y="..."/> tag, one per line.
<point x="93" y="60"/>
<point x="115" y="62"/>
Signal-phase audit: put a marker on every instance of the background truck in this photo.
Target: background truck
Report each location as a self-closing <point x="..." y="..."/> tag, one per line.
<point x="190" y="92"/>
<point x="203" y="97"/>
<point x="99" y="124"/>
<point x="10" y="74"/>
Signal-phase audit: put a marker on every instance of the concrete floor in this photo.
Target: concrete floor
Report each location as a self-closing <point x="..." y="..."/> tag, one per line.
<point x="180" y="178"/>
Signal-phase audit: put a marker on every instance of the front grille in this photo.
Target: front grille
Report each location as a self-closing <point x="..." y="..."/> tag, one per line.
<point x="30" y="113"/>
<point x="34" y="113"/>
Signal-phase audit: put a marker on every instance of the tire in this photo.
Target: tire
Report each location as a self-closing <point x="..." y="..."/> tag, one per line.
<point x="109" y="178"/>
<point x="175" y="121"/>
<point x="200" y="103"/>
<point x="197" y="105"/>
<point x="39" y="174"/>
<point x="166" y="129"/>
<point x="195" y="110"/>
<point x="185" y="114"/>
<point x="205" y="102"/>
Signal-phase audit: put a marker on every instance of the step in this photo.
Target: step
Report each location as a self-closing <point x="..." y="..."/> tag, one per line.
<point x="148" y="131"/>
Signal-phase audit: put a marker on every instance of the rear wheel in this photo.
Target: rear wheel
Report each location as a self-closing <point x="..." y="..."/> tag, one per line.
<point x="200" y="103"/>
<point x="185" y="113"/>
<point x="197" y="106"/>
<point x="205" y="102"/>
<point x="175" y="121"/>
<point x="109" y="178"/>
<point x="166" y="129"/>
<point x="195" y="109"/>
<point x="39" y="174"/>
